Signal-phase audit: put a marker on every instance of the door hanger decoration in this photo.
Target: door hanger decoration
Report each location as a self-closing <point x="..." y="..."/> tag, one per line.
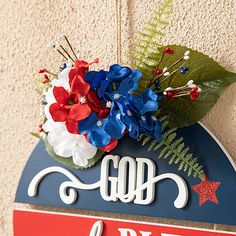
<point x="128" y="139"/>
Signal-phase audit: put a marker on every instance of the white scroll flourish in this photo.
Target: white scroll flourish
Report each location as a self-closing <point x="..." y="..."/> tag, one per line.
<point x="68" y="197"/>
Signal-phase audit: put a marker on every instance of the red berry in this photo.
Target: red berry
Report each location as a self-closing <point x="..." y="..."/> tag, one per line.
<point x="170" y="94"/>
<point x="157" y="72"/>
<point x="168" y="51"/>
<point x="46" y="79"/>
<point x="194" y="94"/>
<point x="40" y="127"/>
<point x="41" y="71"/>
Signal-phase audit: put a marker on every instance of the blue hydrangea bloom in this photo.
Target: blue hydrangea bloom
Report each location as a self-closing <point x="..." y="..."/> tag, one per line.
<point x="118" y="72"/>
<point x="117" y="75"/>
<point x="149" y="125"/>
<point x="95" y="78"/>
<point x="129" y="112"/>
<point x="145" y="102"/>
<point x="101" y="132"/>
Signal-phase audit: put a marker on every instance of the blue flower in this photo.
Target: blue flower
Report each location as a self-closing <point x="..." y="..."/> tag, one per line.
<point x="126" y="86"/>
<point x="145" y="102"/>
<point x="129" y="112"/>
<point x="149" y="125"/>
<point x="118" y="72"/>
<point x="131" y="124"/>
<point x="94" y="127"/>
<point x="101" y="132"/>
<point x="117" y="76"/>
<point x="95" y="78"/>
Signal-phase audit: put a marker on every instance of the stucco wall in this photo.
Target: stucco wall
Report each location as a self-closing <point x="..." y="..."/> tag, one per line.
<point x="27" y="25"/>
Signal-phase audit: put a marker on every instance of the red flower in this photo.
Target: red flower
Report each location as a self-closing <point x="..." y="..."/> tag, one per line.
<point x="194" y="93"/>
<point x="96" y="105"/>
<point x="80" y="68"/>
<point x="76" y="105"/>
<point x="113" y="143"/>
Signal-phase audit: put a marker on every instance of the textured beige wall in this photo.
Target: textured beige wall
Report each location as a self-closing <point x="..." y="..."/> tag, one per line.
<point x="27" y="25"/>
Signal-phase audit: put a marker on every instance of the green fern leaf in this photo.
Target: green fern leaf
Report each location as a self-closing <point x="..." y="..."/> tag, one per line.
<point x="145" y="48"/>
<point x="173" y="148"/>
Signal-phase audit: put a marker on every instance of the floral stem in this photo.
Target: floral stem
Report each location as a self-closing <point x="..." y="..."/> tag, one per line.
<point x="175" y="63"/>
<point x="160" y="60"/>
<point x="61" y="54"/>
<point x="50" y="73"/>
<point x="66" y="53"/>
<point x="168" y="76"/>
<point x="68" y="42"/>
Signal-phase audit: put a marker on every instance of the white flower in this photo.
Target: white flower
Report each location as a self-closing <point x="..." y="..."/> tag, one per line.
<point x="63" y="76"/>
<point x="99" y="123"/>
<point x="82" y="100"/>
<point x="67" y="145"/>
<point x="118" y="116"/>
<point x="109" y="104"/>
<point x="117" y="96"/>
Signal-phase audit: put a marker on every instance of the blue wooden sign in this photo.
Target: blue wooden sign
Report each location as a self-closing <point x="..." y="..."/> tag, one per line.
<point x="46" y="182"/>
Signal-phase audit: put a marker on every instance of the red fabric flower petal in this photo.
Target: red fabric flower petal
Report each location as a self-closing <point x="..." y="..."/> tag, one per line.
<point x="96" y="105"/>
<point x="96" y="60"/>
<point x="61" y="95"/>
<point x="80" y="68"/>
<point x="113" y="143"/>
<point x="79" y="86"/>
<point x="81" y="64"/>
<point x="58" y="113"/>
<point x="94" y="101"/>
<point x="79" y="111"/>
<point x="84" y="64"/>
<point x="73" y="73"/>
<point x="72" y="126"/>
<point x="86" y="137"/>
<point x="102" y="114"/>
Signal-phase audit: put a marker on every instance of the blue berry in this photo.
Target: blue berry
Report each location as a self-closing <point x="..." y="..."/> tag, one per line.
<point x="182" y="70"/>
<point x="157" y="84"/>
<point x="186" y="68"/>
<point x="63" y="67"/>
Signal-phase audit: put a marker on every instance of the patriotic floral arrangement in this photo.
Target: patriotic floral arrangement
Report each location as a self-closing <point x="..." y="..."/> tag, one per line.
<point x="87" y="112"/>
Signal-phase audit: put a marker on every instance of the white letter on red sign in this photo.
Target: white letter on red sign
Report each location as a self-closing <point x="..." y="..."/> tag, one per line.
<point x="127" y="232"/>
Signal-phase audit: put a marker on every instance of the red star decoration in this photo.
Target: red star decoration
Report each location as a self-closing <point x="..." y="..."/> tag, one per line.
<point x="207" y="191"/>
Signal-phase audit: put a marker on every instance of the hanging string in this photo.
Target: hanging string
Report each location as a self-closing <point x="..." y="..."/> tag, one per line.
<point x="118" y="31"/>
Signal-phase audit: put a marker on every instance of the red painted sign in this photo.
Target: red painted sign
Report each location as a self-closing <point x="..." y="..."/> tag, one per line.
<point x="36" y="223"/>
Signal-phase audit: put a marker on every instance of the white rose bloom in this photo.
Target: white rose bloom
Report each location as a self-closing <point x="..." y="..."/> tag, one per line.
<point x="67" y="145"/>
